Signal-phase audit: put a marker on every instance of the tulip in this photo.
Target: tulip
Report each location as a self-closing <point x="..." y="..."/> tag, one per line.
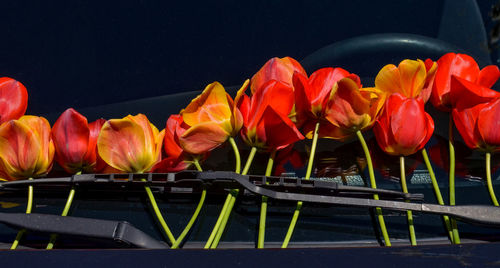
<point x="445" y="92"/>
<point x="352" y="108"/>
<point x="131" y="144"/>
<point x="279" y="69"/>
<point x="75" y="142"/>
<point x="265" y="120"/>
<point x="313" y="94"/>
<point x="26" y="148"/>
<point x="404" y="127"/>
<point x="212" y="118"/>
<point x="411" y="78"/>
<point x="13" y="99"/>
<point x="176" y="159"/>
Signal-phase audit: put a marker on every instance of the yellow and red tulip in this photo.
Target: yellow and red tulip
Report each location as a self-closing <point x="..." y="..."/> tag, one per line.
<point x="446" y="92"/>
<point x="75" y="141"/>
<point x="279" y="69"/>
<point x="131" y="144"/>
<point x="265" y="115"/>
<point x="26" y="148"/>
<point x="352" y="108"/>
<point x="212" y="118"/>
<point x="411" y="78"/>
<point x="13" y="99"/>
<point x="403" y="127"/>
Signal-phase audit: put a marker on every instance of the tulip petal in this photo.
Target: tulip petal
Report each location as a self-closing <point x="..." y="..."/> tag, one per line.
<point x="408" y="125"/>
<point x="302" y="102"/>
<point x="388" y="79"/>
<point x="465" y="122"/>
<point x="19" y="149"/>
<point x="172" y="133"/>
<point x="203" y="137"/>
<point x="276" y="69"/>
<point x="92" y="156"/>
<point x="13" y="99"/>
<point x="488" y="123"/>
<point x="211" y="105"/>
<point x="41" y="129"/>
<point x="171" y="164"/>
<point x="280" y="131"/>
<point x="71" y="139"/>
<point x="488" y="76"/>
<point x="467" y="94"/>
<point x="122" y="144"/>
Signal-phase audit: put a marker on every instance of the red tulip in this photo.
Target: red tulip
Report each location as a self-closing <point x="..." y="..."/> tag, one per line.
<point x="13" y="99"/>
<point x="313" y="94"/>
<point x="265" y="116"/>
<point x="76" y="143"/>
<point x="445" y="93"/>
<point x="279" y="69"/>
<point x="404" y="127"/>
<point x="26" y="148"/>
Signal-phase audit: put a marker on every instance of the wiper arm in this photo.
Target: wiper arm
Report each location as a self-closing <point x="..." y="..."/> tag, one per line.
<point x="118" y="231"/>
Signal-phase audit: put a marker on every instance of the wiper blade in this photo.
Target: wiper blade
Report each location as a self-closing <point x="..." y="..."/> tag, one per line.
<point x="118" y="231"/>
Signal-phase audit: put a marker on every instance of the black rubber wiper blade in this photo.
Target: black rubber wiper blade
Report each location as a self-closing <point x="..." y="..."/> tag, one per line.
<point x="119" y="231"/>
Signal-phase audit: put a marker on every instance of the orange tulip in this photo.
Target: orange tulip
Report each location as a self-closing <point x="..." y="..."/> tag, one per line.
<point x="75" y="141"/>
<point x="212" y="118"/>
<point x="131" y="144"/>
<point x="13" y="99"/>
<point x="26" y="148"/>
<point x="352" y="108"/>
<point x="411" y="78"/>
<point x="279" y="69"/>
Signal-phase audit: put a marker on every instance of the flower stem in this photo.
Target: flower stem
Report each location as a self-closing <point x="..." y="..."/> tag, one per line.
<point x="456" y="237"/>
<point x="228" y="198"/>
<point x="234" y="193"/>
<point x="53" y="237"/>
<point x="488" y="179"/>
<point x="296" y="213"/>
<point x="263" y="205"/>
<point x="236" y="154"/>
<point x="373" y="184"/>
<point x="437" y="192"/>
<point x="29" y="206"/>
<point x="411" y="228"/>
<point x="191" y="222"/>
<point x="158" y="214"/>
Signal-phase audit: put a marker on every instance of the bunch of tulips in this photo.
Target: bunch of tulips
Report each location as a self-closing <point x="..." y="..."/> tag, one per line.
<point x="278" y="107"/>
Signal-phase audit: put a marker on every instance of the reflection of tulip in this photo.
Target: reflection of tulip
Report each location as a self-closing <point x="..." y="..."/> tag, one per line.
<point x="131" y="144"/>
<point x="76" y="142"/>
<point x="352" y="108"/>
<point x="445" y="93"/>
<point x="404" y="127"/>
<point x="13" y="99"/>
<point x="411" y="78"/>
<point x="313" y="94"/>
<point x="265" y="116"/>
<point x="212" y="118"/>
<point x="279" y="69"/>
<point x="26" y="148"/>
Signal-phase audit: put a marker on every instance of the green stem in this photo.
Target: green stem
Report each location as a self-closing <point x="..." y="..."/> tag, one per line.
<point x="234" y="193"/>
<point x="158" y="214"/>
<point x="411" y="228"/>
<point x="191" y="222"/>
<point x="236" y="154"/>
<point x="263" y="205"/>
<point x="373" y="184"/>
<point x="488" y="179"/>
<point x="296" y="213"/>
<point x="456" y="236"/>
<point x="53" y="237"/>
<point x="437" y="192"/>
<point x="29" y="207"/>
